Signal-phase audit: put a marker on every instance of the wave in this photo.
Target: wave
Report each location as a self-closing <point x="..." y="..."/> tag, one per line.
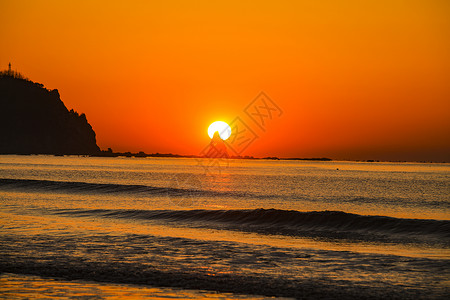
<point x="185" y="195"/>
<point x="329" y="224"/>
<point x="104" y="188"/>
<point x="333" y="224"/>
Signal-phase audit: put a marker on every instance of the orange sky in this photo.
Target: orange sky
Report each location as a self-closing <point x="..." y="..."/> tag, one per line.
<point x="355" y="79"/>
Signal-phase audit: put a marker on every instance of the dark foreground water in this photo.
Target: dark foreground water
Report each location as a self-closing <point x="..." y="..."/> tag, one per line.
<point x="190" y="228"/>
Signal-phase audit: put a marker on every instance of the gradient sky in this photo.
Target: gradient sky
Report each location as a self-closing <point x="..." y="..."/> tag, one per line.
<point x="355" y="79"/>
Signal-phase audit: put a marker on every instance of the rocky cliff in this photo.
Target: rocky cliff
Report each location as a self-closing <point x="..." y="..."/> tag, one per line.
<point x="34" y="120"/>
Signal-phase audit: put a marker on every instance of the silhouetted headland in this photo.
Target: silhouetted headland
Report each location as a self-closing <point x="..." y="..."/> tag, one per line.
<point x="34" y="120"/>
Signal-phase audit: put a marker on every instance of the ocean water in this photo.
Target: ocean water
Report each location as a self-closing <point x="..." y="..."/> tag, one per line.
<point x="229" y="229"/>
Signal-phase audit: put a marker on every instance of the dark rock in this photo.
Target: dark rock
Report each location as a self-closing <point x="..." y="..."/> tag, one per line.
<point x="217" y="147"/>
<point x="34" y="120"/>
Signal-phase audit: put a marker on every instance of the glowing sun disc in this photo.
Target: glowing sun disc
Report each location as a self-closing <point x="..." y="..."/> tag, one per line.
<point x="223" y="128"/>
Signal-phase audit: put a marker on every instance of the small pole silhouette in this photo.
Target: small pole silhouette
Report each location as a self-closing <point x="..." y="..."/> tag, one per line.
<point x="9" y="69"/>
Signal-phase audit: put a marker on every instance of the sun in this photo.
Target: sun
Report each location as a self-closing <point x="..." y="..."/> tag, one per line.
<point x="223" y="128"/>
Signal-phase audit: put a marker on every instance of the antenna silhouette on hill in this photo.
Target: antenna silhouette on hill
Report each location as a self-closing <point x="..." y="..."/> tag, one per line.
<point x="11" y="73"/>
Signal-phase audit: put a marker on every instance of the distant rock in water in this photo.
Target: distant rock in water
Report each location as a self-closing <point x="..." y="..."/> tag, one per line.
<point x="217" y="147"/>
<point x="34" y="120"/>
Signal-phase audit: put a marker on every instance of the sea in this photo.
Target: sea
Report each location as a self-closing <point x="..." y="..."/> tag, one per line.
<point x="75" y="227"/>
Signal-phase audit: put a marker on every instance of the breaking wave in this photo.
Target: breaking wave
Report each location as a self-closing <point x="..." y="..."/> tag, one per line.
<point x="274" y="221"/>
